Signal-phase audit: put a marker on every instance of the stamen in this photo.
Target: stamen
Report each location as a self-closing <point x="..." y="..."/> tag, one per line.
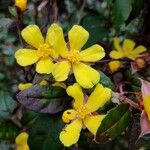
<point x="74" y="56"/>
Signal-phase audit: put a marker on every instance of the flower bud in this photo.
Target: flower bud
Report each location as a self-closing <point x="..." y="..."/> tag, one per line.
<point x="21" y="5"/>
<point x="140" y="63"/>
<point x="114" y="66"/>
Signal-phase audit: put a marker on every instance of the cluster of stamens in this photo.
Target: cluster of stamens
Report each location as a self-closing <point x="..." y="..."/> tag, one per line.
<point x="74" y="56"/>
<point x="44" y="50"/>
<point x="81" y="113"/>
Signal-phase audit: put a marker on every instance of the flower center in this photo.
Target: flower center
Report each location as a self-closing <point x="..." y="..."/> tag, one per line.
<point x="82" y="112"/>
<point x="74" y="56"/>
<point x="44" y="50"/>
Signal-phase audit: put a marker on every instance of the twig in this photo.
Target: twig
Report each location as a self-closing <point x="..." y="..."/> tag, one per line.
<point x="81" y="11"/>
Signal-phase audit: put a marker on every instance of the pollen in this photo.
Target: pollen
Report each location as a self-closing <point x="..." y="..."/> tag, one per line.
<point x="74" y="56"/>
<point x="82" y="112"/>
<point x="44" y="51"/>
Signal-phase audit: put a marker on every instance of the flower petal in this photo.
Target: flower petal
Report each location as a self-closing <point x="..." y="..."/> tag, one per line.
<point x="128" y="45"/>
<point x="86" y="76"/>
<point x="93" y="122"/>
<point x="116" y="54"/>
<point x="139" y="49"/>
<point x="61" y="70"/>
<point x="32" y="35"/>
<point x="22" y="138"/>
<point x="26" y="57"/>
<point x="44" y="66"/>
<point x="69" y="115"/>
<point x="24" y="86"/>
<point x="92" y="54"/>
<point x="70" y="135"/>
<point x="75" y="91"/>
<point x="78" y="36"/>
<point x="117" y="44"/>
<point x="146" y="102"/>
<point x="55" y="38"/>
<point x="98" y="98"/>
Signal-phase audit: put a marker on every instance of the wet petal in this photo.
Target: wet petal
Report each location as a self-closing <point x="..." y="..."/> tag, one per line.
<point x="75" y="91"/>
<point x="98" y="98"/>
<point x="61" y="70"/>
<point x="92" y="54"/>
<point x="32" y="35"/>
<point x="86" y="76"/>
<point x="117" y="44"/>
<point x="55" y="38"/>
<point x="26" y="57"/>
<point x="78" y="36"/>
<point x="44" y="66"/>
<point x="70" y="135"/>
<point x="93" y="122"/>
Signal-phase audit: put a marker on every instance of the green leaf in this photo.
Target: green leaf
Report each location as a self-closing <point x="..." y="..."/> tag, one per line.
<point x="121" y="11"/>
<point x="114" y="123"/>
<point x="44" y="134"/>
<point x="7" y="105"/>
<point x="43" y="99"/>
<point x="94" y="23"/>
<point x="105" y="81"/>
<point x="8" y="131"/>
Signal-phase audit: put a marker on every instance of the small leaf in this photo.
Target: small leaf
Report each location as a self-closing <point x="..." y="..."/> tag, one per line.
<point x="5" y="22"/>
<point x="7" y="105"/>
<point x="43" y="99"/>
<point x="44" y="134"/>
<point x="105" y="80"/>
<point x="8" y="130"/>
<point x="114" y="123"/>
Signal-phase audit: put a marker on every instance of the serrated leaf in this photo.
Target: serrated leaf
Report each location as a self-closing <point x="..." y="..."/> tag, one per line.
<point x="114" y="123"/>
<point x="43" y="99"/>
<point x="44" y="134"/>
<point x="7" y="105"/>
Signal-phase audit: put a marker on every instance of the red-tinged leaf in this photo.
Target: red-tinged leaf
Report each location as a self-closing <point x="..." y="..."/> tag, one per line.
<point x="145" y="124"/>
<point x="43" y="99"/>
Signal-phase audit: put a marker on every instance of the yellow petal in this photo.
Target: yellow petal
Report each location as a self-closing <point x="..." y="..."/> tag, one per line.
<point x="61" y="70"/>
<point x="98" y="98"/>
<point x="23" y="147"/>
<point x="75" y="91"/>
<point x="44" y="66"/>
<point x="78" y="36"/>
<point x="146" y="102"/>
<point x="69" y="115"/>
<point x="43" y="83"/>
<point x="93" y="123"/>
<point x="114" y="66"/>
<point x="70" y="135"/>
<point x="60" y="84"/>
<point x="116" y="54"/>
<point x="92" y="54"/>
<point x="128" y="45"/>
<point x="139" y="49"/>
<point x="32" y="35"/>
<point x="26" y="57"/>
<point x="22" y="138"/>
<point x="86" y="76"/>
<point x="117" y="44"/>
<point x="24" y="86"/>
<point x="21" y="4"/>
<point x="55" y="38"/>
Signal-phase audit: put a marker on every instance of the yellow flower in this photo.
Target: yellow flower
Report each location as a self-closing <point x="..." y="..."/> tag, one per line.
<point x="114" y="66"/>
<point x="128" y="49"/>
<point x="83" y="113"/>
<point x="21" y="4"/>
<point x="73" y="60"/>
<point x="21" y="141"/>
<point x="24" y="86"/>
<point x="44" y="52"/>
